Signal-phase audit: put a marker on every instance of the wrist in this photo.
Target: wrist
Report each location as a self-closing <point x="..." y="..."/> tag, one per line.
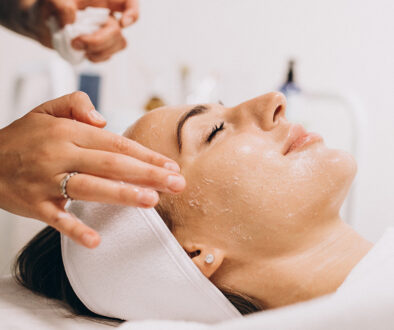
<point x="29" y="21"/>
<point x="25" y="17"/>
<point x="12" y="15"/>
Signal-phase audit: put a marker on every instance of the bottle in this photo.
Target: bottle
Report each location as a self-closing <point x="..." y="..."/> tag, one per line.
<point x="296" y="110"/>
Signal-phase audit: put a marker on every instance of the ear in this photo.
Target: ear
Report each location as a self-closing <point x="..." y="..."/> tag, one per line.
<point x="198" y="254"/>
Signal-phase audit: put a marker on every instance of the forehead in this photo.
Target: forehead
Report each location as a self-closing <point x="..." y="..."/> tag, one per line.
<point x="157" y="129"/>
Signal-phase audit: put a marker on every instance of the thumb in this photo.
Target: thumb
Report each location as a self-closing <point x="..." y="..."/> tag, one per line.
<point x="76" y="106"/>
<point x="131" y="13"/>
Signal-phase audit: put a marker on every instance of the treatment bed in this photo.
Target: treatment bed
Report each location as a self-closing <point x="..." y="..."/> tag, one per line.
<point x="364" y="301"/>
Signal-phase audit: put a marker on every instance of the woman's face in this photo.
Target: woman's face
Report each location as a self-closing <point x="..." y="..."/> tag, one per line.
<point x="247" y="194"/>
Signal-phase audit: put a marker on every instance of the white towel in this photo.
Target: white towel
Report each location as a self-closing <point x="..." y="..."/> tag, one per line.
<point x="363" y="302"/>
<point x="139" y="271"/>
<point x="87" y="21"/>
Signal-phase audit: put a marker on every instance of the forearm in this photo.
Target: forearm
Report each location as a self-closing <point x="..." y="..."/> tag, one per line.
<point x="16" y="15"/>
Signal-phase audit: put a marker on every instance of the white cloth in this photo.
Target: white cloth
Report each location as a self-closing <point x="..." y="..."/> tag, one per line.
<point x="87" y="21"/>
<point x="362" y="302"/>
<point x="139" y="271"/>
<point x="22" y="309"/>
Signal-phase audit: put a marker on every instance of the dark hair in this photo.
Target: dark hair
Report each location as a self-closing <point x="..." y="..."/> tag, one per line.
<point x="39" y="268"/>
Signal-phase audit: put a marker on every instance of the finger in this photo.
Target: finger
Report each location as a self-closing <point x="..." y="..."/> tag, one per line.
<point x="94" y="58"/>
<point x="76" y="106"/>
<point x="104" y="38"/>
<point x="69" y="225"/>
<point x="129" y="8"/>
<point x="128" y="169"/>
<point x="91" y="188"/>
<point x="65" y="11"/>
<point x="93" y="138"/>
<point x="131" y="13"/>
<point x="107" y="53"/>
<point x="109" y="45"/>
<point x="113" y="5"/>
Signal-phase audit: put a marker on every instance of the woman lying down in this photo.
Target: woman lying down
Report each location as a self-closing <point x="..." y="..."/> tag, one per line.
<point x="256" y="228"/>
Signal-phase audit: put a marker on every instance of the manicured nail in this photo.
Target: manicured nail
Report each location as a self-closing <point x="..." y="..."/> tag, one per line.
<point x="89" y="240"/>
<point x="95" y="115"/>
<point x="128" y="20"/>
<point x="176" y="183"/>
<point x="148" y="197"/>
<point x="172" y="167"/>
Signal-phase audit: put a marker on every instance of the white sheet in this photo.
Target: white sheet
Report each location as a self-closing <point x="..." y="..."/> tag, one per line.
<point x="364" y="301"/>
<point x="21" y="309"/>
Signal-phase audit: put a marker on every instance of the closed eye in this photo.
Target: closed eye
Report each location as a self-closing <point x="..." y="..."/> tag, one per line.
<point x="215" y="130"/>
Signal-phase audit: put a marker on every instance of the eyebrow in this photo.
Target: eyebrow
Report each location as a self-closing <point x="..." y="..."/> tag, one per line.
<point x="197" y="110"/>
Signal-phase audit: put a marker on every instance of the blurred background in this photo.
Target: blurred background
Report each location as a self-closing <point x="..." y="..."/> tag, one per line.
<point x="187" y="51"/>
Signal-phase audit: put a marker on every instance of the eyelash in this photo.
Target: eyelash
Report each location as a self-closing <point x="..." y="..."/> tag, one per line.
<point x="215" y="129"/>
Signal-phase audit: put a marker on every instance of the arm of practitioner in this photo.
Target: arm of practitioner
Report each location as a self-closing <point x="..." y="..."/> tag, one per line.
<point x="29" y="17"/>
<point x="40" y="149"/>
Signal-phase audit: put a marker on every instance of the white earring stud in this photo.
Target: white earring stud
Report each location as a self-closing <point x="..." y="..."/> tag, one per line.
<point x="209" y="258"/>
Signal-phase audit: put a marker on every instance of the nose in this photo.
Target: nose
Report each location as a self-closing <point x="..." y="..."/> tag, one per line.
<point x="266" y="110"/>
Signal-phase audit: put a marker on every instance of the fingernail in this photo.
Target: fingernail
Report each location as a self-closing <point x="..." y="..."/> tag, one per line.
<point x="176" y="183"/>
<point x="89" y="240"/>
<point x="128" y="20"/>
<point x="78" y="45"/>
<point x="95" y="115"/>
<point x="148" y="197"/>
<point x="172" y="167"/>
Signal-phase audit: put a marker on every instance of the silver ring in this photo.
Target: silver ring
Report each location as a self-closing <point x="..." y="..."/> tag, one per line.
<point x="63" y="184"/>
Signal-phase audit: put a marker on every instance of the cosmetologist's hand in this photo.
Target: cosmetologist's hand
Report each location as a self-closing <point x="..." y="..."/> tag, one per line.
<point x="100" y="45"/>
<point x="38" y="150"/>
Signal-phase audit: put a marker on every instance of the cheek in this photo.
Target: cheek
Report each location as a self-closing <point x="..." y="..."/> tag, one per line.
<point x="315" y="183"/>
<point x="234" y="176"/>
<point x="322" y="165"/>
<point x="248" y="182"/>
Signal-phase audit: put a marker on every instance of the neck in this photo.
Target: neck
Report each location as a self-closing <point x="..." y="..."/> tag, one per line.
<point x="319" y="267"/>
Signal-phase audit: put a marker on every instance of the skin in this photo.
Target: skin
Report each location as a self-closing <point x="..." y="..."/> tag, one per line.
<point x="29" y="17"/>
<point x="270" y="220"/>
<point x="39" y="149"/>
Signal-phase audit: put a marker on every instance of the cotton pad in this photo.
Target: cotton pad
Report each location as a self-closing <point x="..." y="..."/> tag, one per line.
<point x="139" y="271"/>
<point x="87" y="21"/>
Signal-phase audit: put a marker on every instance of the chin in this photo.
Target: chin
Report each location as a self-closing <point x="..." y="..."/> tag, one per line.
<point x="342" y="168"/>
<point x="344" y="164"/>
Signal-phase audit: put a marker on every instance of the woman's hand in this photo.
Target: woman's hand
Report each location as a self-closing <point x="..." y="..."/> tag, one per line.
<point x="99" y="46"/>
<point x="40" y="149"/>
<point x="102" y="44"/>
<point x="128" y="8"/>
<point x="108" y="40"/>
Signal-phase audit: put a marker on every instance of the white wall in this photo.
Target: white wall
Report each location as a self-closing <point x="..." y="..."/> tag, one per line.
<point x="343" y="46"/>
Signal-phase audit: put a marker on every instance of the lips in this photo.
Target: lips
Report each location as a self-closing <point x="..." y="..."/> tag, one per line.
<point x="298" y="138"/>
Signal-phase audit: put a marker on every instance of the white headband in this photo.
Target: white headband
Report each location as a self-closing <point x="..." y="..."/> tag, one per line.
<point x="139" y="271"/>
